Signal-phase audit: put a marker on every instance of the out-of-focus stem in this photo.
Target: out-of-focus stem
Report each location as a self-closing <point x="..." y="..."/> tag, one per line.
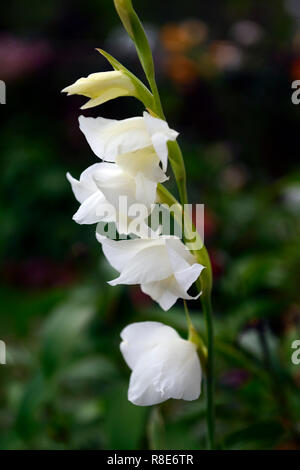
<point x="210" y="410"/>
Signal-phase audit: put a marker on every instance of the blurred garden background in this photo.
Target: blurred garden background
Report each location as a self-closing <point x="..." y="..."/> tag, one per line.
<point x="224" y="71"/>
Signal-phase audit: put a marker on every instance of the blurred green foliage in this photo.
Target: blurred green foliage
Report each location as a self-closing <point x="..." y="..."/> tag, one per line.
<point x="65" y="384"/>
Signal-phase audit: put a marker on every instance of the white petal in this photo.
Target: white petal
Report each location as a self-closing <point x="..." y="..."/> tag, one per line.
<point x="171" y="369"/>
<point x="139" y="337"/>
<point x="158" y="126"/>
<point x="161" y="148"/>
<point x="93" y="129"/>
<point x="145" y="190"/>
<point x="177" y="245"/>
<point x="160" y="135"/>
<point x="119" y="253"/>
<point x="143" y="161"/>
<point x="162" y="292"/>
<point x="86" y="185"/>
<point x="184" y="273"/>
<point x="177" y="260"/>
<point x="187" y="277"/>
<point x="148" y="265"/>
<point x="88" y="212"/>
<point x="109" y="138"/>
<point x="114" y="183"/>
<point x="167" y="291"/>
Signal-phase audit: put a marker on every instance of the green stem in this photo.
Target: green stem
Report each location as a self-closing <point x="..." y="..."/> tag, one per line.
<point x="196" y="339"/>
<point x="178" y="167"/>
<point x="204" y="284"/>
<point x="201" y="254"/>
<point x="210" y="411"/>
<point x="158" y="106"/>
<point x="136" y="31"/>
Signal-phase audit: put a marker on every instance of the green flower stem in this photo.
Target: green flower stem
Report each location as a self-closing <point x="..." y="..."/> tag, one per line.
<point x="210" y="412"/>
<point x="178" y="167"/>
<point x="193" y="237"/>
<point x="135" y="29"/>
<point x="158" y="106"/>
<point x="196" y="339"/>
<point x="204" y="285"/>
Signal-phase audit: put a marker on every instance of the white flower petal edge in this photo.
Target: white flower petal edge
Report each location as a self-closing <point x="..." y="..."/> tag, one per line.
<point x="90" y="197"/>
<point x="109" y="138"/>
<point x="163" y="364"/>
<point x="160" y="134"/>
<point x="162" y="266"/>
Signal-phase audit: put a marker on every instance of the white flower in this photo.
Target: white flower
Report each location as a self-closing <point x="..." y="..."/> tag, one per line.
<point x="163" y="364"/>
<point x="90" y="197"/>
<point x="106" y="194"/>
<point x="110" y="138"/>
<point x="163" y="266"/>
<point x="102" y="87"/>
<point x="131" y="168"/>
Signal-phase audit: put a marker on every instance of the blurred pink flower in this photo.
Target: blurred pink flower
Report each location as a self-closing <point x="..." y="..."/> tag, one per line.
<point x="19" y="56"/>
<point x="38" y="273"/>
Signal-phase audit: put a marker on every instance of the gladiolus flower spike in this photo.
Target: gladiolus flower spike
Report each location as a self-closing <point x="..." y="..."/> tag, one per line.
<point x="134" y="155"/>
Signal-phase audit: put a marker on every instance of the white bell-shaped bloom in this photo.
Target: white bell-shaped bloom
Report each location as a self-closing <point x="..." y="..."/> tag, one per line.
<point x="108" y="194"/>
<point x="163" y="364"/>
<point x="163" y="266"/>
<point x="101" y="87"/>
<point x="110" y="138"/>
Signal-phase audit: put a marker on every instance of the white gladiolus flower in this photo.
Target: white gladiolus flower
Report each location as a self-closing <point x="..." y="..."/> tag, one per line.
<point x="163" y="364"/>
<point x="102" y="87"/>
<point x="135" y="178"/>
<point x="90" y="197"/>
<point x="101" y="190"/>
<point x="163" y="266"/>
<point x="110" y="139"/>
<point x="95" y="207"/>
<point x="133" y="175"/>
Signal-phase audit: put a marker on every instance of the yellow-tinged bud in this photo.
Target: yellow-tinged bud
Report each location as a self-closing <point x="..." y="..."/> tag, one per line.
<point x="101" y="87"/>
